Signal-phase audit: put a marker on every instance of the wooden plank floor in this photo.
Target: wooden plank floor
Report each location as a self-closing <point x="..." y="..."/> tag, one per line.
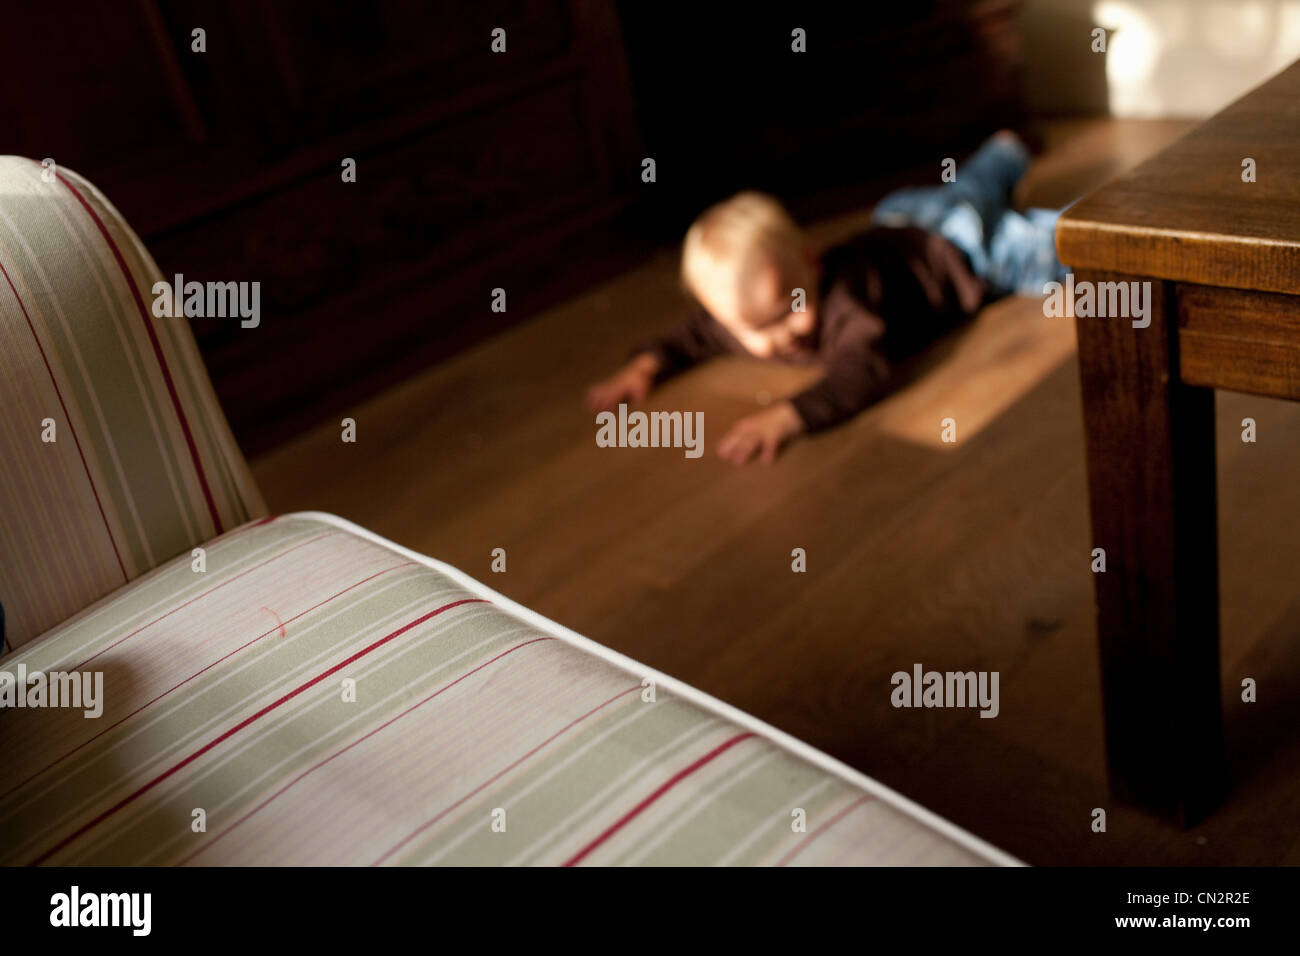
<point x="966" y="556"/>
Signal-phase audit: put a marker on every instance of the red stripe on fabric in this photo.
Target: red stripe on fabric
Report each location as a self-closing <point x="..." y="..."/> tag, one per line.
<point x="393" y="720"/>
<point x="197" y="597"/>
<point x="158" y="353"/>
<point x="68" y="418"/>
<point x="205" y="668"/>
<point x="247" y="721"/>
<point x="658" y="792"/>
<point x="500" y="773"/>
<point x="803" y="844"/>
<point x="267" y="520"/>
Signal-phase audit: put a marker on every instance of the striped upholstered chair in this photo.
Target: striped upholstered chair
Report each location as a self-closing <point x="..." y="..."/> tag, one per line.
<point x="238" y="688"/>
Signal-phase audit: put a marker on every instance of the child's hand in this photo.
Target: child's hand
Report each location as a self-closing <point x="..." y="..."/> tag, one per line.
<point x="629" y="384"/>
<point x="763" y="433"/>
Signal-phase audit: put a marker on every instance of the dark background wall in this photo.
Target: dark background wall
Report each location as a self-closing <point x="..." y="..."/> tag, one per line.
<point x="474" y="170"/>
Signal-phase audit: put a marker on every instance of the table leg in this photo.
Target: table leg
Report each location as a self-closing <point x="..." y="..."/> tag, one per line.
<point x="1151" y="482"/>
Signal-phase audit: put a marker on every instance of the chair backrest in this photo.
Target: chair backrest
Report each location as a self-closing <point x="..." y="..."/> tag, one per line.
<point x="114" y="454"/>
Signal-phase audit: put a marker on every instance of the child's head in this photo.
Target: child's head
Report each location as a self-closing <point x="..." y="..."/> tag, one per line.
<point x="742" y="260"/>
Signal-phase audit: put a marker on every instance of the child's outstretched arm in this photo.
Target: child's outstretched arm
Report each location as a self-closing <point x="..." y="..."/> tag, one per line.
<point x="698" y="337"/>
<point x="763" y="434"/>
<point x="856" y="376"/>
<point x="631" y="383"/>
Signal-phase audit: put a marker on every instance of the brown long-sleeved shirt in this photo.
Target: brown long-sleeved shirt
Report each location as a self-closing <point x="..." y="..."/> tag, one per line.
<point x="885" y="294"/>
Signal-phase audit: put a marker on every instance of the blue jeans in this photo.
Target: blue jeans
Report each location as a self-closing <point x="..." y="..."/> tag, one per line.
<point x="1013" y="252"/>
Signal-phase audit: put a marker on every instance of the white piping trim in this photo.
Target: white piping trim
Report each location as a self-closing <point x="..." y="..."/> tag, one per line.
<point x="705" y="701"/>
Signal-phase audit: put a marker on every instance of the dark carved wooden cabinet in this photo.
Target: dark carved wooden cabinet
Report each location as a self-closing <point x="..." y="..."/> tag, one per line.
<point x="471" y="165"/>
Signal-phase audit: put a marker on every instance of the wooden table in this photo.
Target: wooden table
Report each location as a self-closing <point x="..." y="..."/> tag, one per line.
<point x="1223" y="259"/>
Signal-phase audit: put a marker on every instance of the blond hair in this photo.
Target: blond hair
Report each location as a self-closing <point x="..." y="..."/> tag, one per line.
<point x="745" y="233"/>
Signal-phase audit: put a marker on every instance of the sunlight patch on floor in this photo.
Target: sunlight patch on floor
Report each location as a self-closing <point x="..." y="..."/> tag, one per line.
<point x="1008" y="350"/>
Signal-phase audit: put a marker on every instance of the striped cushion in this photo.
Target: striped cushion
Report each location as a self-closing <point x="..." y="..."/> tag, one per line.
<point x="480" y="733"/>
<point x="143" y="467"/>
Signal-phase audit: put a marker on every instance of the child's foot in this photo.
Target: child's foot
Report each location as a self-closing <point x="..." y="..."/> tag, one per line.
<point x="1010" y="136"/>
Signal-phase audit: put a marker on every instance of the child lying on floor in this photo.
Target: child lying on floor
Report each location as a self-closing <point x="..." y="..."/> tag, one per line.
<point x="932" y="257"/>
